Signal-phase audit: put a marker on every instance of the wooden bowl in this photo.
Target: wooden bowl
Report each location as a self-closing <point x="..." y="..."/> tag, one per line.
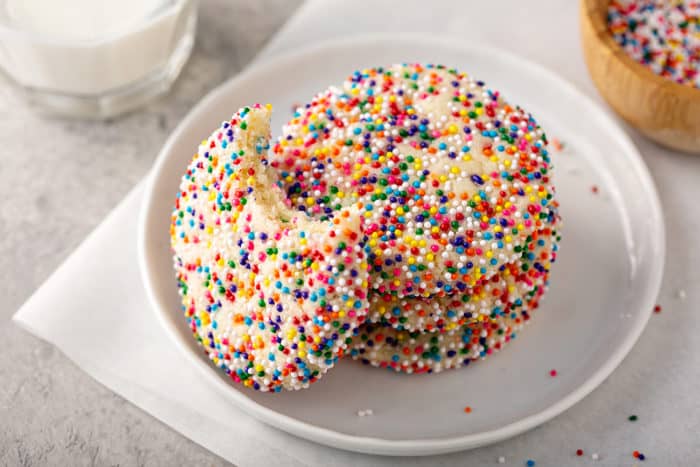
<point x="667" y="112"/>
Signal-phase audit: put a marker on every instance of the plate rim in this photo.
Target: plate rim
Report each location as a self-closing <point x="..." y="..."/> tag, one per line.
<point x="374" y="445"/>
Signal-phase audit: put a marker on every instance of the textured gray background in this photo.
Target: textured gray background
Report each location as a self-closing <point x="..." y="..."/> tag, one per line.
<point x="58" y="179"/>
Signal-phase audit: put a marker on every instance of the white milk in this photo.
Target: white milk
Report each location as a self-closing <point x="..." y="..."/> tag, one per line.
<point x="79" y="20"/>
<point x="91" y="48"/>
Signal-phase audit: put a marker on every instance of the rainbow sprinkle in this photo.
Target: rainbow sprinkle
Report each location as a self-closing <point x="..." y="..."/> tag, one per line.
<point x="663" y="35"/>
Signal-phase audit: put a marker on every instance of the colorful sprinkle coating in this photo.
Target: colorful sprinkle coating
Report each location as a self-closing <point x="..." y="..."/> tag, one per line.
<point x="454" y="184"/>
<point x="431" y="352"/>
<point x="663" y="35"/>
<point x="273" y="296"/>
<point x="452" y="180"/>
<point x="450" y="312"/>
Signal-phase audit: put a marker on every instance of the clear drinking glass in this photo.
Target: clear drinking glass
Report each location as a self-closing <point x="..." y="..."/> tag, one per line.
<point x="94" y="58"/>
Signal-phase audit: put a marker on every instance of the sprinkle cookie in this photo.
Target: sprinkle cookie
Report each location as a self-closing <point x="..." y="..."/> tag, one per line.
<point x="431" y="352"/>
<point x="273" y="296"/>
<point x="447" y="313"/>
<point x="454" y="184"/>
<point x="451" y="180"/>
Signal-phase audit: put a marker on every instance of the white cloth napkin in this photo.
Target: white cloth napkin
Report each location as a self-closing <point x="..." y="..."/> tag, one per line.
<point x="110" y="332"/>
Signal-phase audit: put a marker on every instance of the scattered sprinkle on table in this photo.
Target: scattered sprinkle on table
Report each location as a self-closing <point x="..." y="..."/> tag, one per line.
<point x="632" y="418"/>
<point x="553" y="373"/>
<point x="501" y="460"/>
<point x="662" y="35"/>
<point x="467" y="409"/>
<point x="557" y="145"/>
<point x="595" y="456"/>
<point x="365" y="413"/>
<point x="681" y="294"/>
<point x="594" y="189"/>
<point x="579" y="452"/>
<point x="657" y="309"/>
<point x="530" y="463"/>
<point x="639" y="455"/>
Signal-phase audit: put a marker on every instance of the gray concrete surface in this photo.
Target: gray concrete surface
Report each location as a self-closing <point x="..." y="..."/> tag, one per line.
<point x="58" y="179"/>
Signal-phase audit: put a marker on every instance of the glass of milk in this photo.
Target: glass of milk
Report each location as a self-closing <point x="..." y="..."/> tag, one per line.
<point x="94" y="58"/>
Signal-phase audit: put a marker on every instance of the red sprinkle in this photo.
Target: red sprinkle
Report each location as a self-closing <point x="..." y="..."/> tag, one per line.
<point x="657" y="309"/>
<point x="579" y="452"/>
<point x="594" y="189"/>
<point x="553" y="373"/>
<point x="467" y="409"/>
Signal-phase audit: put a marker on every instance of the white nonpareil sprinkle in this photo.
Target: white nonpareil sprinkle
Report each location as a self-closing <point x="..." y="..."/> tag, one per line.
<point x="681" y="294"/>
<point x="365" y="413"/>
<point x="501" y="460"/>
<point x="595" y="456"/>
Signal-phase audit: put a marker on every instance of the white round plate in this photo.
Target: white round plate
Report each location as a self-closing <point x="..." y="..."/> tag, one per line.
<point x="602" y="290"/>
